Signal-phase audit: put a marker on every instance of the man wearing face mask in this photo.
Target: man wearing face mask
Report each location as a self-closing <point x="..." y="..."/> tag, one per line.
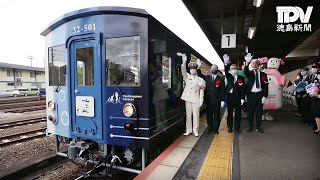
<point x="300" y="92"/>
<point x="297" y="90"/>
<point x="214" y="97"/>
<point x="314" y="110"/>
<point x="313" y="78"/>
<point x="303" y="96"/>
<point x="257" y="92"/>
<point x="235" y="87"/>
<point x="315" y="72"/>
<point x="192" y="95"/>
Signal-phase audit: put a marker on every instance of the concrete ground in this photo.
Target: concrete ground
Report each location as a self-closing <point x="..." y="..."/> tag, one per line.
<point x="191" y="167"/>
<point x="287" y="150"/>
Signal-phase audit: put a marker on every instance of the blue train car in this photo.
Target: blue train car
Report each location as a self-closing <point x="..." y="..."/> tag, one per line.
<point x="113" y="79"/>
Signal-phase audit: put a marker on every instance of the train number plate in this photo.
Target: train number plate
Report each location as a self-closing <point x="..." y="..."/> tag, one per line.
<point x="85" y="106"/>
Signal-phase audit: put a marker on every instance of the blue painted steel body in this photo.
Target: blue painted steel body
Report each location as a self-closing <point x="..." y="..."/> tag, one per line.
<point x="108" y="120"/>
<point x="62" y="112"/>
<point x="87" y="127"/>
<point x="159" y="107"/>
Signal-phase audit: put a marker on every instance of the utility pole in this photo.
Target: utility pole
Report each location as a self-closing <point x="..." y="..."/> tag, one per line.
<point x="31" y="58"/>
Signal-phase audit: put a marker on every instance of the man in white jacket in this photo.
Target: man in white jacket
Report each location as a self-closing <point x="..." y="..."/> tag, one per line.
<point x="192" y="95"/>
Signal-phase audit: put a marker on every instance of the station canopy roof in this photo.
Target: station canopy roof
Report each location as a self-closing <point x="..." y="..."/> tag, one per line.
<point x="298" y="46"/>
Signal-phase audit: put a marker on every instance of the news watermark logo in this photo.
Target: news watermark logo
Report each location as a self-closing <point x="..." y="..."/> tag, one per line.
<point x="288" y="15"/>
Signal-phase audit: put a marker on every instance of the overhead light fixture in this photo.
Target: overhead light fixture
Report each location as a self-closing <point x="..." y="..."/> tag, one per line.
<point x="246" y="49"/>
<point x="179" y="54"/>
<point x="257" y="3"/>
<point x="251" y="32"/>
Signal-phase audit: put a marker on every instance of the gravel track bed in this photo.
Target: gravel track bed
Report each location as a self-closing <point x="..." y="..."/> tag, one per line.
<point x="25" y="109"/>
<point x="20" y="99"/>
<point x="17" y="153"/>
<point x="66" y="172"/>
<point x="22" y="128"/>
<point x="3" y="107"/>
<point x="10" y="117"/>
<point x="33" y="112"/>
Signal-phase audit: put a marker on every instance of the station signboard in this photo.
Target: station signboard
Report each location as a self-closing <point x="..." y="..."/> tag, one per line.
<point x="228" y="41"/>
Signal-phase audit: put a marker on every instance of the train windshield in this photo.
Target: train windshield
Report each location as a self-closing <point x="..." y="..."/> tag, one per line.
<point x="123" y="59"/>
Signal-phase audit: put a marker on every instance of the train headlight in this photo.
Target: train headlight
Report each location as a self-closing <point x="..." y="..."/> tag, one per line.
<point x="52" y="119"/>
<point x="51" y="105"/>
<point x="129" y="110"/>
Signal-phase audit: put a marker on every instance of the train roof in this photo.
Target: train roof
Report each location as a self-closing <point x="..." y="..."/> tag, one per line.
<point x="104" y="10"/>
<point x="94" y="11"/>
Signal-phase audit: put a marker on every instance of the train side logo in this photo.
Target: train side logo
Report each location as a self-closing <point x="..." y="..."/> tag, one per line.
<point x="114" y="98"/>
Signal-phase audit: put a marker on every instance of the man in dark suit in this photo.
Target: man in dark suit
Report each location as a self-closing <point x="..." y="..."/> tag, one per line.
<point x="314" y="77"/>
<point x="257" y="92"/>
<point x="301" y="94"/>
<point x="304" y="96"/>
<point x="235" y="88"/>
<point x="214" y="97"/>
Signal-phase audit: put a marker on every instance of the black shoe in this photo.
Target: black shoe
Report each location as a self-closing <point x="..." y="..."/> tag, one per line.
<point x="216" y="132"/>
<point x="316" y="132"/>
<point x="238" y="131"/>
<point x="230" y="130"/>
<point x="259" y="130"/>
<point x="249" y="130"/>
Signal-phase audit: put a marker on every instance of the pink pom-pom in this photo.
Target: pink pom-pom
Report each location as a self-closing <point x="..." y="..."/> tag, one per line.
<point x="264" y="60"/>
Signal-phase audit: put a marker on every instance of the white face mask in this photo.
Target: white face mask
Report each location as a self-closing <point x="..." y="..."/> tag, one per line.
<point x="303" y="73"/>
<point x="233" y="71"/>
<point x="193" y="71"/>
<point x="314" y="70"/>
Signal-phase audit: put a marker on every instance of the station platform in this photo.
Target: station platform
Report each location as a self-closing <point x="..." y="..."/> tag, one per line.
<point x="286" y="150"/>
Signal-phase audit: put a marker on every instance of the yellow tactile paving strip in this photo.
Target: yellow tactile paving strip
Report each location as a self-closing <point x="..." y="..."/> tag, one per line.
<point x="218" y="162"/>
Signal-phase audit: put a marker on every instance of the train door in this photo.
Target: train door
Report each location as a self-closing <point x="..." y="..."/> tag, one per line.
<point x="85" y="59"/>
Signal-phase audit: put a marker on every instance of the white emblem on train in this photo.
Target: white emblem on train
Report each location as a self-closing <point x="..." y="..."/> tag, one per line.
<point x="114" y="98"/>
<point x="65" y="118"/>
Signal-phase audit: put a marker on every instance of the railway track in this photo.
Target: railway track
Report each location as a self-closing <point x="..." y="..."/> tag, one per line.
<point x="22" y="122"/>
<point x="22" y="104"/>
<point x="35" y="168"/>
<point x="20" y="137"/>
<point x="24" y="109"/>
<point x="20" y="99"/>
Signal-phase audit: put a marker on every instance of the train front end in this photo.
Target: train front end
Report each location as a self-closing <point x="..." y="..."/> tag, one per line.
<point x="97" y="84"/>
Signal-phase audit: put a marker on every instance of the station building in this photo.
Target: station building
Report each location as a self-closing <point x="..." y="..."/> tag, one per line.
<point x="14" y="76"/>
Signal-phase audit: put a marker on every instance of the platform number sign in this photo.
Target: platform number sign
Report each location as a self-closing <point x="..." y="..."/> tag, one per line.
<point x="228" y="41"/>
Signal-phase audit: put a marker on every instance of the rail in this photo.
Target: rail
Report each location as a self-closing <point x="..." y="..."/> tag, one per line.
<point x="23" y="136"/>
<point x="22" y="122"/>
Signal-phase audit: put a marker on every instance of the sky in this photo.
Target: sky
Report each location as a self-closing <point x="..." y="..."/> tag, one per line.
<point x="22" y="21"/>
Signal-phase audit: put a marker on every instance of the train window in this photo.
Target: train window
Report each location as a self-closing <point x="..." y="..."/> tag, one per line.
<point x="85" y="67"/>
<point x="123" y="61"/>
<point x="166" y="71"/>
<point x="57" y="65"/>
